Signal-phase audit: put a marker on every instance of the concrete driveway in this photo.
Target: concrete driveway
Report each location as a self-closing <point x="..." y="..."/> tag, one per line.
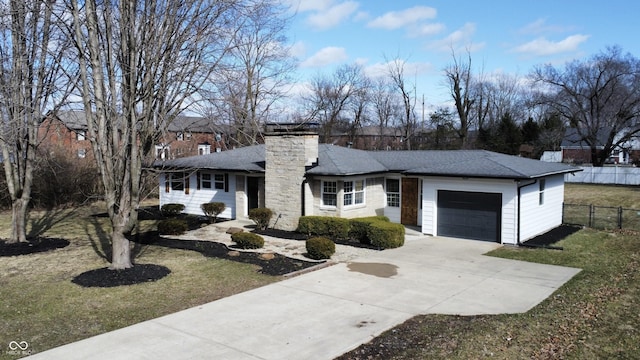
<point x="325" y="313"/>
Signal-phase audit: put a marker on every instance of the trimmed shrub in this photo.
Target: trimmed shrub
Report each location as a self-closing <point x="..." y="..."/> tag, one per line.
<point x="386" y="235"/>
<point x="171" y="210"/>
<point x="261" y="216"/>
<point x="172" y="226"/>
<point x="212" y="210"/>
<point x="319" y="248"/>
<point x="333" y="227"/>
<point x="247" y="240"/>
<point x="359" y="226"/>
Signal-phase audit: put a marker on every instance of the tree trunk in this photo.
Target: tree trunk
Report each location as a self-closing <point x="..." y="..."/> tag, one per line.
<point x="121" y="257"/>
<point x="19" y="221"/>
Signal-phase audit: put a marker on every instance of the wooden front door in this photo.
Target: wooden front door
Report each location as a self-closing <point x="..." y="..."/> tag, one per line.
<point x="409" y="203"/>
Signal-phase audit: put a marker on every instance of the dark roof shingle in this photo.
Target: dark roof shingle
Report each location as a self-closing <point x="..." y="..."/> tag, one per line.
<point x="340" y="161"/>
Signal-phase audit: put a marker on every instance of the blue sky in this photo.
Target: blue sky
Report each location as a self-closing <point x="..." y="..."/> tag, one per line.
<point x="501" y="35"/>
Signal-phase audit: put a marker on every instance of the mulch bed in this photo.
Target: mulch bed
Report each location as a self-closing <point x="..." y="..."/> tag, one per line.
<point x="274" y="265"/>
<point x="106" y="277"/>
<point x="32" y="246"/>
<point x="552" y="236"/>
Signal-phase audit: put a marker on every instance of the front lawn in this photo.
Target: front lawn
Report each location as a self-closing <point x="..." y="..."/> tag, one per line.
<point x="40" y="305"/>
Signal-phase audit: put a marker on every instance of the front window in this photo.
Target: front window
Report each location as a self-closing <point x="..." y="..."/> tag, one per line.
<point x="177" y="181"/>
<point x="393" y="192"/>
<point x="180" y="136"/>
<point x="329" y="193"/>
<point x="219" y="181"/>
<point x="205" y="181"/>
<point x="353" y="192"/>
<point x="82" y="153"/>
<point x="81" y="135"/>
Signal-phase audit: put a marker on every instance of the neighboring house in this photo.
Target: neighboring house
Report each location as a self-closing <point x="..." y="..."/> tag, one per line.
<point x="575" y="150"/>
<point x="66" y="134"/>
<point x="471" y="194"/>
<point x="189" y="136"/>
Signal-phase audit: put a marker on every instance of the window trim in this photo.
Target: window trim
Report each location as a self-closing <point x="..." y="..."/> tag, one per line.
<point x="204" y="179"/>
<point x="323" y="192"/>
<point x="354" y="193"/>
<point x="178" y="181"/>
<point x="395" y="193"/>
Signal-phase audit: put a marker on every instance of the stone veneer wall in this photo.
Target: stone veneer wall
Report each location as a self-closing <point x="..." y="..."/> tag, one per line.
<point x="286" y="156"/>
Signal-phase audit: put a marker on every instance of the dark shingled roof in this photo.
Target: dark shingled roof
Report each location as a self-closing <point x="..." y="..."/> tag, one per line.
<point x="337" y="160"/>
<point x="469" y="163"/>
<point x="340" y="161"/>
<point x="245" y="159"/>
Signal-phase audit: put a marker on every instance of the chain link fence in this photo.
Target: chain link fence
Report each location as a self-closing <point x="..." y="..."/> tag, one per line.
<point x="601" y="217"/>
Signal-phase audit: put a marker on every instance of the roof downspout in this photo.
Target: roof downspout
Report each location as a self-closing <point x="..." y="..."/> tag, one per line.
<point x="519" y="209"/>
<point x="302" y="196"/>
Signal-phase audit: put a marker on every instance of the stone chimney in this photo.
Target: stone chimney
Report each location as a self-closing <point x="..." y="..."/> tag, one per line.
<point x="290" y="149"/>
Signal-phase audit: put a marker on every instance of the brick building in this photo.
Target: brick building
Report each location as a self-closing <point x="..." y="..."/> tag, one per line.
<point x="66" y="134"/>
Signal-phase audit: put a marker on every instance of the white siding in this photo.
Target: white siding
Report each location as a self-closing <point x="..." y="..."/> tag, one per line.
<point x="536" y="218"/>
<point x="507" y="188"/>
<point x="197" y="197"/>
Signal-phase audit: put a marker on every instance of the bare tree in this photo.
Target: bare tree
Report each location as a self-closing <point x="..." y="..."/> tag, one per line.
<point x="141" y="63"/>
<point x="359" y="106"/>
<point x="330" y="97"/>
<point x="257" y="69"/>
<point x="599" y="97"/>
<point x="407" y="92"/>
<point x="31" y="67"/>
<point x="385" y="108"/>
<point x="459" y="79"/>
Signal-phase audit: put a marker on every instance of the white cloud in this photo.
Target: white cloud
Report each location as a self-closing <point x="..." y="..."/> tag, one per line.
<point x="542" y="46"/>
<point x="458" y="40"/>
<point x="329" y="17"/>
<point x="411" y="69"/>
<point x="540" y="26"/>
<point x="427" y="30"/>
<point x="325" y="56"/>
<point x="398" y="19"/>
<point x="298" y="49"/>
<point x="308" y="5"/>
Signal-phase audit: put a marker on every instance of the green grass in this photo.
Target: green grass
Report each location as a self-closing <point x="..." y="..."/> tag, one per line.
<point x="40" y="305"/>
<point x="596" y="315"/>
<point x="602" y="195"/>
<point x="606" y="200"/>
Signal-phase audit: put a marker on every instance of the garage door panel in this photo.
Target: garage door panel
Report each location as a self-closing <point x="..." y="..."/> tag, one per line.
<point x="469" y="215"/>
